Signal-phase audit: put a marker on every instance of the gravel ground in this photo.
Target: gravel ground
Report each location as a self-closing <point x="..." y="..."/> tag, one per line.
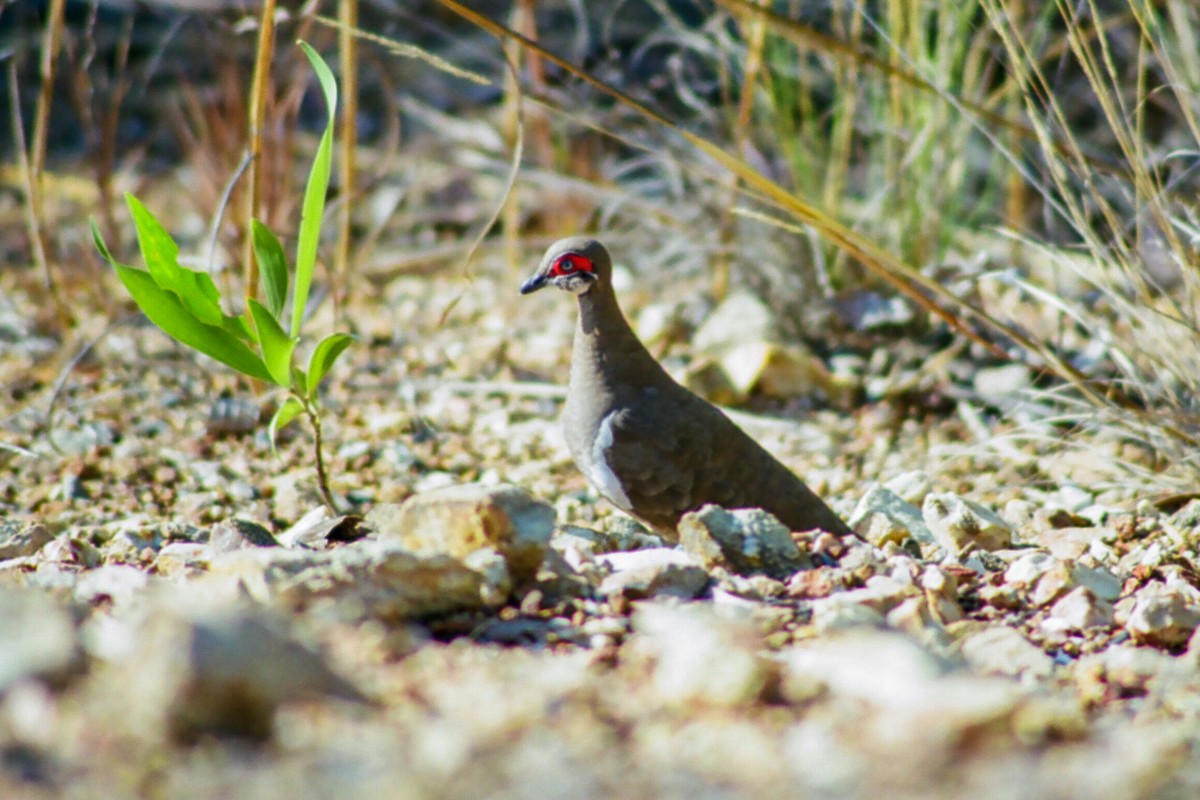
<point x="182" y="618"/>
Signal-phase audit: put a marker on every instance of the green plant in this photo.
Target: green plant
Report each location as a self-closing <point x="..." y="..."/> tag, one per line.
<point x="186" y="305"/>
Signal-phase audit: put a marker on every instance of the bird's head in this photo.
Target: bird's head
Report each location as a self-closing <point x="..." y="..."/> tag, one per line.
<point x="574" y="265"/>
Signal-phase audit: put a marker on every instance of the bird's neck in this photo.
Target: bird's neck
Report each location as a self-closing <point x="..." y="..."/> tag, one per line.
<point x="607" y="353"/>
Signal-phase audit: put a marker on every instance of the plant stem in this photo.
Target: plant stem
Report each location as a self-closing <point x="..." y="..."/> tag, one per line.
<point x="322" y="476"/>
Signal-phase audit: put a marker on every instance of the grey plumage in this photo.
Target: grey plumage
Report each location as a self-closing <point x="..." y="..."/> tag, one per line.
<point x="649" y="445"/>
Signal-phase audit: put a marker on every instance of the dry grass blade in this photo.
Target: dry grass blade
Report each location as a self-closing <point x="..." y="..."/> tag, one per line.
<point x="347" y="146"/>
<point x="255" y="116"/>
<point x="410" y="51"/>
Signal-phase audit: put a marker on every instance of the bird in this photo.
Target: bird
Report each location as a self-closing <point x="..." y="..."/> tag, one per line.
<point x="647" y="444"/>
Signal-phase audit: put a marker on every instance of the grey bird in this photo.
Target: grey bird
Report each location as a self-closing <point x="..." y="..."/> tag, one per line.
<point x="647" y="444"/>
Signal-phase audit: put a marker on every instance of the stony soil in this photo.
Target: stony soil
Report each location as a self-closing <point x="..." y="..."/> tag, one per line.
<point x="180" y="617"/>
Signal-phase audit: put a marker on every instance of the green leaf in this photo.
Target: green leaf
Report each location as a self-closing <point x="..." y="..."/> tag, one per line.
<point x="323" y="357"/>
<point x="196" y="290"/>
<point x="238" y="327"/>
<point x="167" y="312"/>
<point x="314" y="193"/>
<point x="276" y="346"/>
<point x="286" y="413"/>
<point x="98" y="240"/>
<point x="300" y="381"/>
<point x="272" y="266"/>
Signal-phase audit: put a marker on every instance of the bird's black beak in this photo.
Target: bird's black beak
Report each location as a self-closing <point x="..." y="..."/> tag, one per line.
<point x="534" y="283"/>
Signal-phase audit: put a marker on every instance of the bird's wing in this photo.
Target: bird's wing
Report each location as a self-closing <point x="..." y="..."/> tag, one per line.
<point x="663" y="454"/>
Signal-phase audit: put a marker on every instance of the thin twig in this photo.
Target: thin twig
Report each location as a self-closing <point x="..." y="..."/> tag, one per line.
<point x="222" y="204"/>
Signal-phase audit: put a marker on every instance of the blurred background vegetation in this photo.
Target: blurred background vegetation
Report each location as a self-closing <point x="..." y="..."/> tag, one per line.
<point x="1001" y="181"/>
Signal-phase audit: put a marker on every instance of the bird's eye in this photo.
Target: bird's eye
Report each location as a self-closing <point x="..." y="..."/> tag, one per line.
<point x="571" y="263"/>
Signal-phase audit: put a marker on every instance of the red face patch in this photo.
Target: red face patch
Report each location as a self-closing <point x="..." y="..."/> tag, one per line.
<point x="569" y="264"/>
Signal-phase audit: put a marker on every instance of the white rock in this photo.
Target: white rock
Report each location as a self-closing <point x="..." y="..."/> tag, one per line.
<point x="915" y="693"/>
<point x="1082" y="609"/>
<point x="1027" y="569"/>
<point x="459" y="520"/>
<point x="1053" y="584"/>
<point x="1164" y="615"/>
<point x="741" y="317"/>
<point x="697" y="656"/>
<point x="1106" y="585"/>
<point x="116" y="583"/>
<point x="882" y="516"/>
<point x="1001" y="650"/>
<point x="958" y="523"/>
<point x="654" y="572"/>
<point x="880" y="595"/>
<point x="911" y="486"/>
<point x="1070" y="543"/>
<point x="941" y="591"/>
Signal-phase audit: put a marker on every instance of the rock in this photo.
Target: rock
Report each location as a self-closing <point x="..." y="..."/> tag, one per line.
<point x="941" y="592"/>
<point x="744" y="540"/>
<point x="660" y="324"/>
<point x="232" y="415"/>
<point x="626" y="533"/>
<point x="38" y="637"/>
<point x="1043" y="720"/>
<point x="239" y="670"/>
<point x="289" y="495"/>
<point x="1069" y="544"/>
<point x="756" y="588"/>
<point x="741" y="317"/>
<point x="882" y="516"/>
<point x="1053" y="584"/>
<point x="742" y="338"/>
<point x="915" y="617"/>
<point x="20" y="537"/>
<point x="1122" y="671"/>
<point x="560" y="577"/>
<point x="811" y="584"/>
<point x="113" y="583"/>
<point x="1103" y="583"/>
<point x="238" y="534"/>
<point x="1080" y="610"/>
<point x="866" y="310"/>
<point x="874" y="666"/>
<point x="695" y="656"/>
<point x="831" y="615"/>
<point x="911" y="487"/>
<point x="1002" y="386"/>
<point x="459" y="520"/>
<point x="881" y="595"/>
<point x="583" y="541"/>
<point x="365" y="580"/>
<point x="650" y="573"/>
<point x="181" y="558"/>
<point x="1000" y="650"/>
<point x="1164" y="615"/>
<point x="1006" y="596"/>
<point x="776" y="370"/>
<point x="1029" y="568"/>
<point x="311" y="530"/>
<point x="918" y="705"/>
<point x="194" y="672"/>
<point x="958" y="524"/>
<point x="496" y="584"/>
